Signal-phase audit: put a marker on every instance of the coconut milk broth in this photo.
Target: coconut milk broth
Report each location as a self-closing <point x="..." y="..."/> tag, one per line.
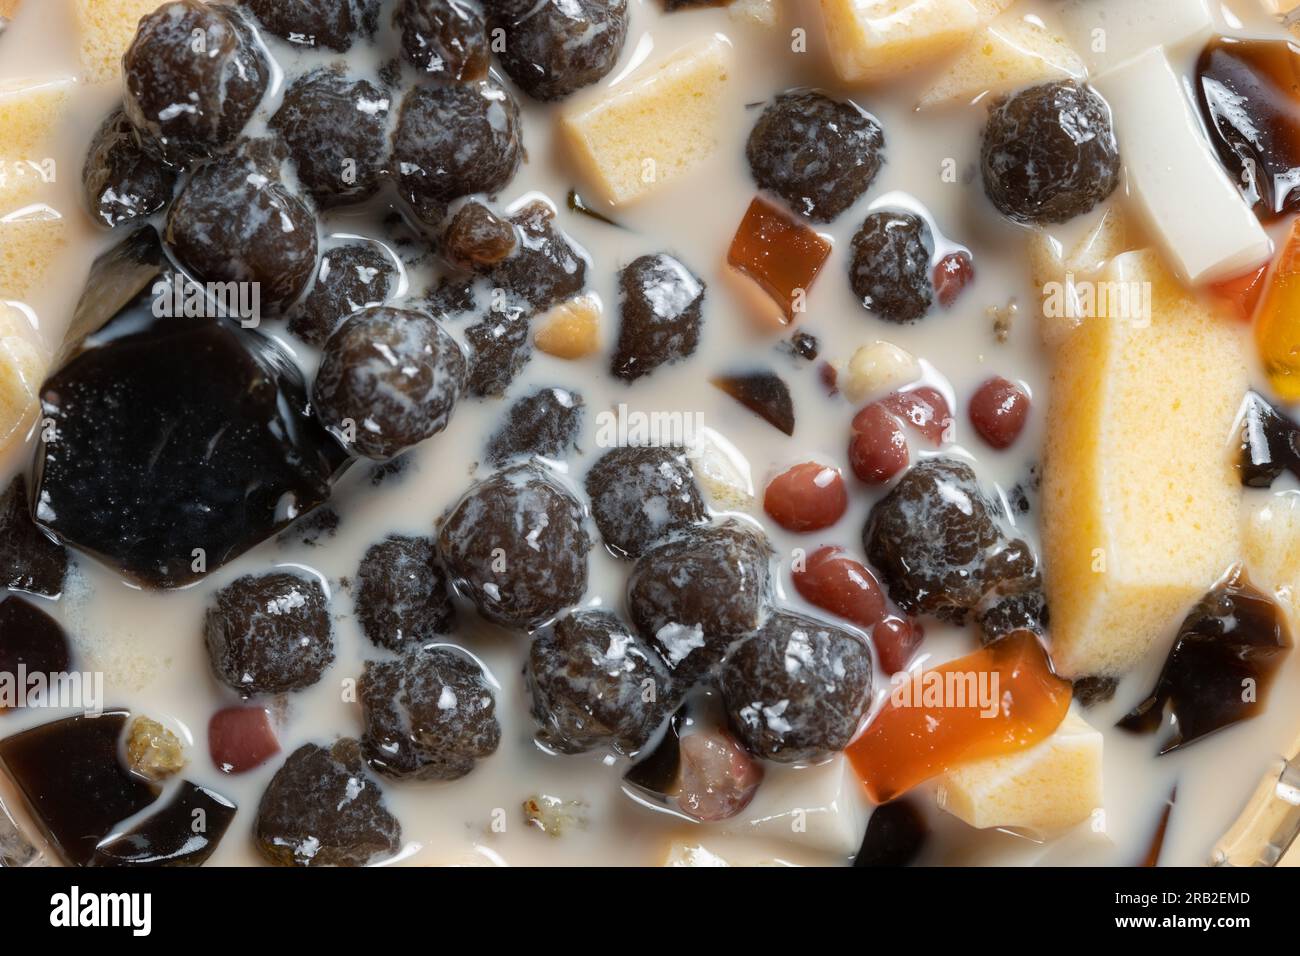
<point x="149" y="646"/>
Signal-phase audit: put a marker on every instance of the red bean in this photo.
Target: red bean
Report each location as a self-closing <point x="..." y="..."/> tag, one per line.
<point x="842" y="586"/>
<point x="896" y="640"/>
<point x="999" y="410"/>
<point x="878" y="448"/>
<point x="241" y="738"/>
<point x="954" y="272"/>
<point x="808" y="497"/>
<point x="924" y="409"/>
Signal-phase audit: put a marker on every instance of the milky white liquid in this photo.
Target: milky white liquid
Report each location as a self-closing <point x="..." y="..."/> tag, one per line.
<point x="149" y="644"/>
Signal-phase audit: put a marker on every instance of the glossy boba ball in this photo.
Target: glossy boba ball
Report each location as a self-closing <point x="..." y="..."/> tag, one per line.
<point x="336" y="129"/>
<point x="235" y="221"/>
<point x="1049" y="153"/>
<point x="194" y="74"/>
<point x="455" y="140"/>
<point x="388" y="379"/>
<point x="554" y="47"/>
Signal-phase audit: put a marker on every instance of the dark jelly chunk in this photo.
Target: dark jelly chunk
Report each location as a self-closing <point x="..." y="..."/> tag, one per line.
<point x="1248" y="94"/>
<point x="70" y="773"/>
<point x="402" y="597"/>
<point x="269" y="634"/>
<point x="765" y="394"/>
<point x="178" y="443"/>
<point x="29" y="560"/>
<point x="32" y="640"/>
<point x="896" y="835"/>
<point x="797" y="689"/>
<point x="336" y="129"/>
<point x="1220" y="667"/>
<point x="323" y="809"/>
<point x="516" y="545"/>
<point x="661" y="302"/>
<point x="1270" y="442"/>
<point x="195" y="74"/>
<point x="184" y="831"/>
<point x="545" y="423"/>
<point x="428" y="716"/>
<point x="123" y="177"/>
<point x="388" y="379"/>
<point x="818" y="154"/>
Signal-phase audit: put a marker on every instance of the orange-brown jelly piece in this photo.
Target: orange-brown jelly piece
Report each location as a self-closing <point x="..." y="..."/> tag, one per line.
<point x="1242" y="293"/>
<point x="1277" y="322"/>
<point x="998" y="700"/>
<point x="779" y="253"/>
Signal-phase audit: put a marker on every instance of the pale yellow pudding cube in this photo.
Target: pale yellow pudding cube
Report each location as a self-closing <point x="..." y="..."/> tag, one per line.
<point x="107" y="28"/>
<point x="29" y="110"/>
<point x="31" y="239"/>
<point x="653" y="129"/>
<point x="872" y="40"/>
<point x="1007" y="54"/>
<point x="1054" y="785"/>
<point x="23" y="364"/>
<point x="1140" y="500"/>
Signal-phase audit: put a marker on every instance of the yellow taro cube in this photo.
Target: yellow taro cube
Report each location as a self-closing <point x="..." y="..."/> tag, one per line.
<point x="872" y="40"/>
<point x="651" y="130"/>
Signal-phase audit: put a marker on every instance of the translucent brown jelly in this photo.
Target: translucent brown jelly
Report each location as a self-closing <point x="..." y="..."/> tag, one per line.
<point x="1221" y="665"/>
<point x="763" y="393"/>
<point x="183" y="831"/>
<point x="31" y="640"/>
<point x="1249" y="95"/>
<point x="70" y="773"/>
<point x="1270" y="443"/>
<point x="173" y="443"/>
<point x="779" y="253"/>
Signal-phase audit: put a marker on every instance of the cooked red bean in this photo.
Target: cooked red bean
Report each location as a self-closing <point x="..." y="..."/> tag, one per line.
<point x="241" y="738"/>
<point x="878" y="448"/>
<point x="896" y="640"/>
<point x="842" y="586"/>
<point x="808" y="497"/>
<point x="954" y="272"/>
<point x="999" y="410"/>
<point x="925" y="410"/>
